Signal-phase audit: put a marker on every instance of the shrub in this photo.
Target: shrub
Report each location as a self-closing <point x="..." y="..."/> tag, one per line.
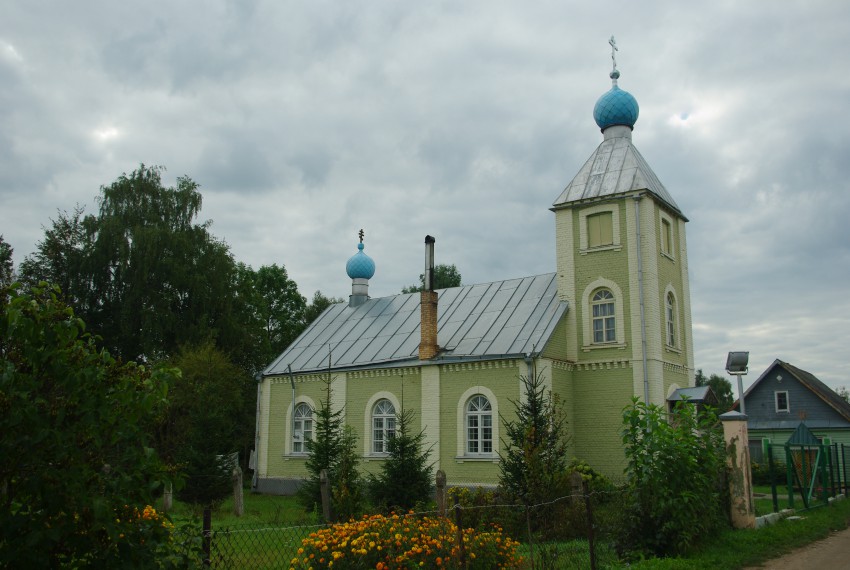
<point x="405" y="477"/>
<point x="397" y="541"/>
<point x="75" y="443"/>
<point x="675" y="493"/>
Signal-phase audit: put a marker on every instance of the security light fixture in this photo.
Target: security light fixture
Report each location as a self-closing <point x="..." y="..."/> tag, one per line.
<point x="736" y="365"/>
<point x="736" y="362"/>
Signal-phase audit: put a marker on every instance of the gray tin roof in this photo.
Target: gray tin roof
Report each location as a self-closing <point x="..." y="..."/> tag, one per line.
<point x="503" y="319"/>
<point x="615" y="168"/>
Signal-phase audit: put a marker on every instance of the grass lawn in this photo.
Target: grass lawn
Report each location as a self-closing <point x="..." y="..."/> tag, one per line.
<point x="267" y="536"/>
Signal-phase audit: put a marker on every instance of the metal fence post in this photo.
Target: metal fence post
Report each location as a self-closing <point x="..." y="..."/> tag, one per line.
<point x="207" y="542"/>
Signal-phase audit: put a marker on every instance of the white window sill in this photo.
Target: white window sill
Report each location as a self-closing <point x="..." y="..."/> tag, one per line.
<point x="288" y="456"/>
<point x="376" y="456"/>
<point x="618" y="345"/>
<point x="668" y="256"/>
<point x="669" y="348"/>
<point x="610" y="247"/>
<point x="492" y="458"/>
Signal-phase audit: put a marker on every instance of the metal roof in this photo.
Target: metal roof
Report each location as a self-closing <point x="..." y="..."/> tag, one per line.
<point x="696" y="394"/>
<point x="503" y="319"/>
<point x="615" y="168"/>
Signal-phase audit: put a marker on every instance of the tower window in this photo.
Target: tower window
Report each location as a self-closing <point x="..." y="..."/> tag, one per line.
<point x="600" y="229"/>
<point x="671" y="320"/>
<point x="604" y="320"/>
<point x="666" y="237"/>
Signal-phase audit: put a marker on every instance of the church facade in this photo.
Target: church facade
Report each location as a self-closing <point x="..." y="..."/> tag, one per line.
<point x="613" y="322"/>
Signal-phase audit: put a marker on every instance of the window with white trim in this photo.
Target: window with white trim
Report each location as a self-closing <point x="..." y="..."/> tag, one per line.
<point x="302" y="428"/>
<point x="479" y="426"/>
<point x="671" y="320"/>
<point x="383" y="425"/>
<point x="783" y="405"/>
<point x="604" y="318"/>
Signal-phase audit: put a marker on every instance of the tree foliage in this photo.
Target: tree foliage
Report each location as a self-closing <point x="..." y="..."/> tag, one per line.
<point x="142" y="274"/>
<point x="445" y="276"/>
<point x="7" y="269"/>
<point x="721" y="387"/>
<point x="534" y="466"/>
<point x="323" y="450"/>
<point x="318" y="305"/>
<point x="205" y="422"/>
<point x="405" y="478"/>
<point x="75" y="440"/>
<point x="271" y="308"/>
<point x="675" y="479"/>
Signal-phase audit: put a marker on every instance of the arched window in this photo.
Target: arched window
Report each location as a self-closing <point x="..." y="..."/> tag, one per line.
<point x="479" y="425"/>
<point x="671" y="320"/>
<point x="302" y="428"/>
<point x="383" y="425"/>
<point x="604" y="321"/>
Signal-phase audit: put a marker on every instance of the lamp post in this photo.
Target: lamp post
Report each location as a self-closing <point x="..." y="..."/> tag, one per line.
<point x="736" y="365"/>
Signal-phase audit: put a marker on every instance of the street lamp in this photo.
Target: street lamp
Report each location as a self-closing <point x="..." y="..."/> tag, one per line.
<point x="736" y="365"/>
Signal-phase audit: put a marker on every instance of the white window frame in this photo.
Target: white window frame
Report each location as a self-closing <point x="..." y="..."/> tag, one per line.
<point x="603" y="298"/>
<point x="672" y="334"/>
<point x="385" y="413"/>
<point x="462" y="403"/>
<point x="619" y="315"/>
<point x="779" y="410"/>
<point x="614" y="210"/>
<point x="482" y="417"/>
<point x="292" y="427"/>
<point x="367" y="421"/>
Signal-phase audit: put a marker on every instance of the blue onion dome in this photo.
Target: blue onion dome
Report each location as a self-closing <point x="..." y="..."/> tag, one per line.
<point x="360" y="265"/>
<point x="616" y="107"/>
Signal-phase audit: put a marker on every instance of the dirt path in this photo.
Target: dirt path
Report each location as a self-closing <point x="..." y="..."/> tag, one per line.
<point x="830" y="553"/>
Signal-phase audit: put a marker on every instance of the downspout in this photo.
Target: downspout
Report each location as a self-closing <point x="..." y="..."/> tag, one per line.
<point x="637" y="200"/>
<point x="292" y="415"/>
<point x="255" y="479"/>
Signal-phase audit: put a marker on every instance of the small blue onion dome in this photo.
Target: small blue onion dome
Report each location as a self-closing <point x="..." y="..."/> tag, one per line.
<point x="360" y="265"/>
<point x="616" y="107"/>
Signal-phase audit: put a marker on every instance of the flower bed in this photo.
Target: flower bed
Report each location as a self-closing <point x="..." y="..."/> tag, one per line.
<point x="404" y="541"/>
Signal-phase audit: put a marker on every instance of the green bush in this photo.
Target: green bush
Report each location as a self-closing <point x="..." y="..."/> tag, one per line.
<point x="78" y="472"/>
<point x="761" y="473"/>
<point x="675" y="492"/>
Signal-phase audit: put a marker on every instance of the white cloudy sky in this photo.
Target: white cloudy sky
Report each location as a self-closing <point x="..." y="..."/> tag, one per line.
<point x="305" y="121"/>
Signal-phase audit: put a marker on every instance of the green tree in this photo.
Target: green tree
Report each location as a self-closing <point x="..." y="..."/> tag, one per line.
<point x="75" y="448"/>
<point x="405" y="477"/>
<point x="271" y="308"/>
<point x="205" y="422"/>
<point x="59" y="259"/>
<point x="534" y="465"/>
<point x="445" y="276"/>
<point x="843" y="393"/>
<point x="318" y="305"/>
<point x="347" y="485"/>
<point x="675" y="465"/>
<point x="141" y="272"/>
<point x="721" y="387"/>
<point x="7" y="269"/>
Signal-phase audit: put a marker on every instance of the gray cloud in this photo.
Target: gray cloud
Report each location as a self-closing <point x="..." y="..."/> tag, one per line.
<point x="305" y="122"/>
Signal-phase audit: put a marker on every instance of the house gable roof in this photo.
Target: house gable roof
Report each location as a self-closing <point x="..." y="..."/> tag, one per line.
<point x="502" y="319"/>
<point x="810" y="381"/>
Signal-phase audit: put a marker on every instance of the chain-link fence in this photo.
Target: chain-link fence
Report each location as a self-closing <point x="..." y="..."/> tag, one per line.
<point x="474" y="529"/>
